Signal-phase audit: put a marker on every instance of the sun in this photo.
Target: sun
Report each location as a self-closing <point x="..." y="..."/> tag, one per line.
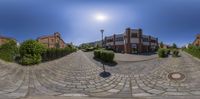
<point x="101" y="17"/>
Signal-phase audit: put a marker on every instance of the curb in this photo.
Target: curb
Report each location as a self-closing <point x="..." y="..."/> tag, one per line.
<point x="191" y="56"/>
<point x="139" y="60"/>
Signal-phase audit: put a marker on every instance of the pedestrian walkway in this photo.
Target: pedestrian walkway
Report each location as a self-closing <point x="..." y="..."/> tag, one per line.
<point x="77" y="75"/>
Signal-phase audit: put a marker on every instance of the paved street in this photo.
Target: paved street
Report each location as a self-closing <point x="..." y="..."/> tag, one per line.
<point x="134" y="58"/>
<point x="77" y="74"/>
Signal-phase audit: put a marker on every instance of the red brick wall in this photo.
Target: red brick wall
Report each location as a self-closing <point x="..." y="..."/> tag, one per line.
<point x="3" y="41"/>
<point x="51" y="41"/>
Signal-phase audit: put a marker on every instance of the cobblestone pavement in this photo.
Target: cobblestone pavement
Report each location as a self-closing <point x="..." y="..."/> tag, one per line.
<point x="133" y="58"/>
<point x="78" y="75"/>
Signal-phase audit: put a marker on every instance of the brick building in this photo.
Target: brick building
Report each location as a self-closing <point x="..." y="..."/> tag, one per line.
<point x="197" y="40"/>
<point x="52" y="41"/>
<point x="3" y="39"/>
<point x="131" y="41"/>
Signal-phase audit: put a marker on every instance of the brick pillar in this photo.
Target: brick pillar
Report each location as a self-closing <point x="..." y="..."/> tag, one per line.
<point x="149" y="48"/>
<point x="140" y="41"/>
<point x="128" y="41"/>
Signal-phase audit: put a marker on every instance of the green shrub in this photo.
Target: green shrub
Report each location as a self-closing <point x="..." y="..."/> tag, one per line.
<point x="97" y="46"/>
<point x="193" y="50"/>
<point x="167" y="51"/>
<point x="54" y="53"/>
<point x="89" y="49"/>
<point x="9" y="51"/>
<point x="109" y="56"/>
<point x="175" y="53"/>
<point x="97" y="53"/>
<point x="104" y="55"/>
<point x="162" y="53"/>
<point x="29" y="59"/>
<point x="30" y="52"/>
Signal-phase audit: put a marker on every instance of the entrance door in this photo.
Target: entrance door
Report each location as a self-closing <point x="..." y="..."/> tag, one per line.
<point x="134" y="49"/>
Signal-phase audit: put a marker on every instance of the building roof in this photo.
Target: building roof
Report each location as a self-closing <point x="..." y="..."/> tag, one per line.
<point x="7" y="38"/>
<point x="51" y="35"/>
<point x="45" y="36"/>
<point x="198" y="35"/>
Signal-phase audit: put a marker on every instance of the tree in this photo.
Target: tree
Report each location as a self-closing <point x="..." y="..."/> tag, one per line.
<point x="9" y="50"/>
<point x="161" y="45"/>
<point x="30" y="52"/>
<point x="174" y="46"/>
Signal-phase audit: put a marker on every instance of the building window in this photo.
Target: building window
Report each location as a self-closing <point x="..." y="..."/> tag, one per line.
<point x="153" y="41"/>
<point x="109" y="40"/>
<point x="119" y="39"/>
<point x="134" y="35"/>
<point x="145" y="40"/>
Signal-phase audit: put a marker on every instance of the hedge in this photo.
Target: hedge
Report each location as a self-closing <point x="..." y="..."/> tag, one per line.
<point x="9" y="51"/>
<point x="104" y="55"/>
<point x="193" y="50"/>
<point x="97" y="53"/>
<point x="54" y="53"/>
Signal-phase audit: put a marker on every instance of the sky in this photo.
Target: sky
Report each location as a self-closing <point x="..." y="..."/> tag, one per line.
<point x="172" y="21"/>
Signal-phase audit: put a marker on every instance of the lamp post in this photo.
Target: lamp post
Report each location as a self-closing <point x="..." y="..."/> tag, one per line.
<point x="103" y="74"/>
<point x="102" y="47"/>
<point x="102" y="37"/>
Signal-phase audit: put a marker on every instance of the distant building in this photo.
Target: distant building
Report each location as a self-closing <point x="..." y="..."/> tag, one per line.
<point x="4" y="39"/>
<point x="52" y="41"/>
<point x="188" y="45"/>
<point x="164" y="46"/>
<point x="131" y="41"/>
<point x="95" y="43"/>
<point x="197" y="40"/>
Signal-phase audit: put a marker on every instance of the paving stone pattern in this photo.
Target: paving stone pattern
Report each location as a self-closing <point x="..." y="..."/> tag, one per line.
<point x="78" y="75"/>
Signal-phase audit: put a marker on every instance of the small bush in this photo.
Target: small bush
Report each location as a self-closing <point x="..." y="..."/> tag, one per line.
<point x="167" y="51"/>
<point x="175" y="53"/>
<point x="109" y="56"/>
<point x="9" y="51"/>
<point x="162" y="53"/>
<point x="29" y="59"/>
<point x="97" y="53"/>
<point x="30" y="52"/>
<point x="104" y="55"/>
<point x="89" y="49"/>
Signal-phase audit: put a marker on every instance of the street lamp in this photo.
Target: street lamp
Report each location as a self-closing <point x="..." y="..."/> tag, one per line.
<point x="102" y="46"/>
<point x="102" y="37"/>
<point x="103" y="74"/>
